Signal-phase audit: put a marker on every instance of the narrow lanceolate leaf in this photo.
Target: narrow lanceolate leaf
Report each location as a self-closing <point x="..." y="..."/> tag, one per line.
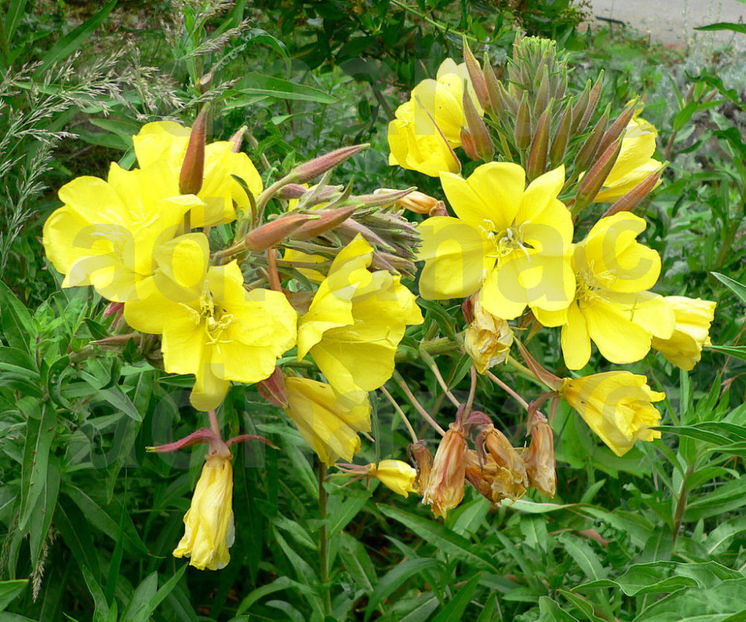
<point x="396" y="577"/>
<point x="441" y="537"/>
<point x="40" y="431"/>
<point x="10" y="590"/>
<point x="739" y="289"/>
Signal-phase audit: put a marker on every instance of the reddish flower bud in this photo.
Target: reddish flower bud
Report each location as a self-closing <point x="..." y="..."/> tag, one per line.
<point x="476" y="75"/>
<point x="193" y="167"/>
<point x="273" y="389"/>
<point x="308" y="171"/>
<point x="632" y="199"/>
<point x="327" y="220"/>
<point x="478" y="133"/>
<point x="269" y="234"/>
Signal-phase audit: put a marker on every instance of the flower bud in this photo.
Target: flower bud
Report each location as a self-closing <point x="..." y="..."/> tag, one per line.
<point x="522" y="132"/>
<point x="273" y="389"/>
<point x="539" y="458"/>
<point x="269" y="234"/>
<point x="488" y="338"/>
<point x="417" y="202"/>
<point x="327" y="220"/>
<point x="237" y="139"/>
<point x="592" y="182"/>
<point x="632" y="199"/>
<point x="589" y="148"/>
<point x="537" y="156"/>
<point x="496" y="106"/>
<point x="394" y="474"/>
<point x="308" y="171"/>
<point x="445" y="488"/>
<point x="477" y="76"/>
<point x="381" y="197"/>
<point x="291" y="191"/>
<point x="593" y="97"/>
<point x="617" y="127"/>
<point x="424" y="461"/>
<point x="578" y="110"/>
<point x="478" y="133"/>
<point x="193" y="167"/>
<point x="561" y="136"/>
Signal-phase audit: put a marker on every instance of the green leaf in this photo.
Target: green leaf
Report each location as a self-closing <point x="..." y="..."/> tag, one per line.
<point x="713" y="604"/>
<point x="73" y="40"/>
<point x="454" y="610"/>
<point x="15" y="320"/>
<point x="734" y="26"/>
<point x="441" y="537"/>
<point x="13" y="16"/>
<point x="396" y="577"/>
<point x="277" y="88"/>
<point x="720" y="537"/>
<point x="10" y="590"/>
<point x="739" y="289"/>
<point x="738" y="352"/>
<point x="550" y="611"/>
<point x="278" y="585"/>
<point x="583" y="555"/>
<point x="40" y="432"/>
<point x="357" y="562"/>
<point x="727" y="497"/>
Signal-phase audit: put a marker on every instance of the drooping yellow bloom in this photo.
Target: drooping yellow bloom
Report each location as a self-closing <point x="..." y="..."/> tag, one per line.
<point x="208" y="524"/>
<point x="513" y="242"/>
<point x="617" y="406"/>
<point x="166" y="142"/>
<point x="445" y="487"/>
<point x="356" y="321"/>
<point x="691" y="331"/>
<point x="106" y="232"/>
<point x="394" y="474"/>
<point x="612" y="306"/>
<point x="215" y="329"/>
<point x="329" y="422"/>
<point x="428" y="126"/>
<point x="634" y="163"/>
<point x="487" y="339"/>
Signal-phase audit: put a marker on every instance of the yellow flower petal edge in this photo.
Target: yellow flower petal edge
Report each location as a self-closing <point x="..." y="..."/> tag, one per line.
<point x="328" y="421"/>
<point x="208" y="524"/>
<point x="395" y="475"/>
<point x="691" y="331"/>
<point x="617" y="406"/>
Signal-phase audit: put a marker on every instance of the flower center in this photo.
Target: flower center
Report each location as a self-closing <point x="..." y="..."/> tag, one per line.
<point x="506" y="241"/>
<point x="589" y="284"/>
<point x="216" y="319"/>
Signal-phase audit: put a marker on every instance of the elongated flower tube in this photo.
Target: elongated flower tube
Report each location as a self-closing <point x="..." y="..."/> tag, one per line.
<point x="693" y="317"/>
<point x="428" y="127"/>
<point x="612" y="305"/>
<point x="617" y="406"/>
<point x="445" y="486"/>
<point x="106" y="232"/>
<point x="208" y="524"/>
<point x="328" y="421"/>
<point x="356" y="321"/>
<point x="634" y="163"/>
<point x="394" y="474"/>
<point x="218" y="331"/>
<point x="166" y="142"/>
<point x="511" y="240"/>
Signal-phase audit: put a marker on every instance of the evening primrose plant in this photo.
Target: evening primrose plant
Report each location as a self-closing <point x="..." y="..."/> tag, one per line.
<point x="308" y="292"/>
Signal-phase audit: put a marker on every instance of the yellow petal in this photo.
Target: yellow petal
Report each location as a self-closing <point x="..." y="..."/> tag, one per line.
<point x="456" y="257"/>
<point x="162" y="140"/>
<point x="576" y="343"/>
<point x="618" y="339"/>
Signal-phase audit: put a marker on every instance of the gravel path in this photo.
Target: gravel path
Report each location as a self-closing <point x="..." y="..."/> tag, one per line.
<point x="672" y="21"/>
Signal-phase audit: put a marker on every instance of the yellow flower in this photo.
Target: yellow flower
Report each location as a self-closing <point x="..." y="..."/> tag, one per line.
<point x="487" y="339"/>
<point x="617" y="406"/>
<point x="208" y="524"/>
<point x="513" y="242"/>
<point x="329" y="422"/>
<point x="612" y="306"/>
<point x="215" y="329"/>
<point x="315" y="276"/>
<point x="691" y="331"/>
<point x="428" y="126"/>
<point x="356" y="321"/>
<point x="105" y="233"/>
<point x="394" y="474"/>
<point x="445" y="487"/>
<point x="635" y="161"/>
<point x="166" y="141"/>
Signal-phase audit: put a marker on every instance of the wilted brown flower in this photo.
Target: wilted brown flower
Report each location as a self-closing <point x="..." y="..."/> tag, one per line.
<point x="539" y="457"/>
<point x="445" y="488"/>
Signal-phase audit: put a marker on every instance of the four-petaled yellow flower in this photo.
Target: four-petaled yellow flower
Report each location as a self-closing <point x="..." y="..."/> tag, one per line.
<point x="691" y="331"/>
<point x="214" y="329"/>
<point x="394" y="474"/>
<point x="428" y="127"/>
<point x="208" y="524"/>
<point x="356" y="321"/>
<point x="329" y="421"/>
<point x="165" y="142"/>
<point x="612" y="306"/>
<point x="634" y="163"/>
<point x="106" y="232"/>
<point x="511" y="240"/>
<point x="617" y="406"/>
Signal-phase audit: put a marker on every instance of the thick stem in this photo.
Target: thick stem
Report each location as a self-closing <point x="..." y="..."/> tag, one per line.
<point x="323" y="542"/>
<point x="214" y="425"/>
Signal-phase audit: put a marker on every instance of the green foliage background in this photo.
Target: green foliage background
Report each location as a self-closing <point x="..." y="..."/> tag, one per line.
<point x="88" y="519"/>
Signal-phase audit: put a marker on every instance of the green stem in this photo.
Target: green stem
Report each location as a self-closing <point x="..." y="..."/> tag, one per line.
<point x="323" y="542"/>
<point x="678" y="515"/>
<point x="431" y="21"/>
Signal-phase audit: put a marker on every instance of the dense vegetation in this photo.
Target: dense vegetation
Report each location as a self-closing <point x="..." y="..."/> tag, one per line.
<point x="89" y="517"/>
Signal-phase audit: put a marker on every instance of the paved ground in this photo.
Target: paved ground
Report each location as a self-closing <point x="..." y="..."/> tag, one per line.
<point x="672" y="21"/>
